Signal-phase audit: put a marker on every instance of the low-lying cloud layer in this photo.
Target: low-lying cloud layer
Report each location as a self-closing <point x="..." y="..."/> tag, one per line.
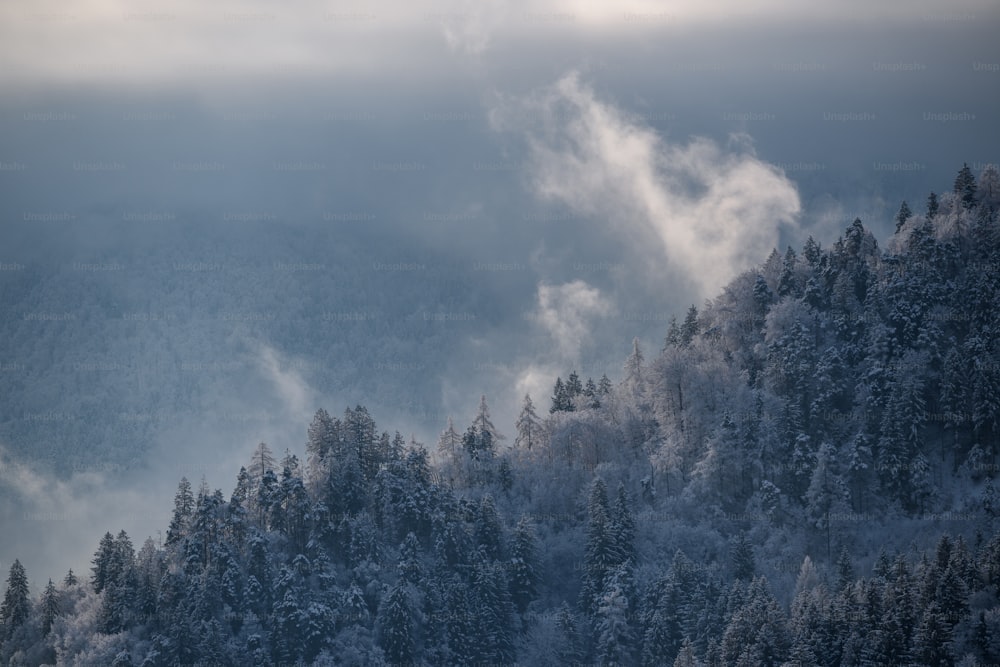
<point x="709" y="212"/>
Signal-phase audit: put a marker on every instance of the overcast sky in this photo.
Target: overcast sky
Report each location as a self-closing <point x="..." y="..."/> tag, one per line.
<point x="594" y="167"/>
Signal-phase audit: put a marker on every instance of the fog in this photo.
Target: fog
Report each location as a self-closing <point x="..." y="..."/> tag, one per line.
<point x="218" y="222"/>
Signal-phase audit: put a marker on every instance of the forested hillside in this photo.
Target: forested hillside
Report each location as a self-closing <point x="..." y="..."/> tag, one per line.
<point x="802" y="475"/>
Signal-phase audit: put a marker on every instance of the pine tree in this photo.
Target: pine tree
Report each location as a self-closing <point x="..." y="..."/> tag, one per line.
<point x="904" y="214"/>
<point x="495" y="612"/>
<point x="931" y="639"/>
<point x="321" y="445"/>
<point x="523" y="566"/>
<point x="70" y="579"/>
<point x="567" y="648"/>
<point x="825" y="493"/>
<point x="686" y="656"/>
<point x="49" y="607"/>
<point x="932" y="206"/>
<point x="488" y="530"/>
<point x="103" y="566"/>
<point x="673" y="337"/>
<point x="786" y="281"/>
<point x="845" y="570"/>
<point x="613" y="627"/>
<point x="623" y="531"/>
<point x="965" y="187"/>
<point x="633" y="367"/>
<point x="601" y="553"/>
<point x="593" y="402"/>
<point x="691" y="327"/>
<point x="574" y="388"/>
<point x="16" y="606"/>
<point x="604" y="386"/>
<point x="528" y="426"/>
<point x="741" y="555"/>
<point x="561" y="400"/>
<point x="183" y="510"/>
<point x="397" y="628"/>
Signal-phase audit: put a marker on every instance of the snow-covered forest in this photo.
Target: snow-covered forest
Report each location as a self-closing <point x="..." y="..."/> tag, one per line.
<point x="802" y="475"/>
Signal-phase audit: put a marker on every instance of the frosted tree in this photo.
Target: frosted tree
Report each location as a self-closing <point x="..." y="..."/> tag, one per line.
<point x="601" y="553"/>
<point x="741" y="555"/>
<point x="183" y="510"/>
<point x="483" y="424"/>
<point x="686" y="656"/>
<point x="825" y="494"/>
<point x="16" y="606"/>
<point x="396" y="636"/>
<point x="989" y="187"/>
<point x="49" y="607"/>
<point x="523" y="565"/>
<point x="965" y="187"/>
<point x="633" y="369"/>
<point x="261" y="462"/>
<point x="450" y="442"/>
<point x="528" y="426"/>
<point x="614" y="632"/>
<point x="321" y="445"/>
<point x="932" y="206"/>
<point x="690" y="328"/>
<point x="904" y="214"/>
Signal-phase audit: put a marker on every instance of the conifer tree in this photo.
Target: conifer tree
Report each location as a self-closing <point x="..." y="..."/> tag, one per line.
<point x="904" y="214"/>
<point x="16" y="606"/>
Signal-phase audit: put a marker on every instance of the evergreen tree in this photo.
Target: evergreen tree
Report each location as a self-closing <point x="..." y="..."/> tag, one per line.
<point x="691" y="327"/>
<point x="561" y="400"/>
<point x="741" y="555"/>
<point x="103" y="563"/>
<point x="601" y="553"/>
<point x="932" y="206"/>
<point x="396" y="636"/>
<point x="567" y="647"/>
<point x="673" y="337"/>
<point x="70" y="579"/>
<point x="623" y="527"/>
<point x="592" y="402"/>
<point x="686" y="656"/>
<point x="904" y="214"/>
<point x="965" y="187"/>
<point x="523" y="566"/>
<point x="786" y="281"/>
<point x="574" y="388"/>
<point x="932" y="638"/>
<point x="845" y="570"/>
<point x="488" y="531"/>
<point x="633" y="367"/>
<point x="613" y="626"/>
<point x="16" y="606"/>
<point x="183" y="510"/>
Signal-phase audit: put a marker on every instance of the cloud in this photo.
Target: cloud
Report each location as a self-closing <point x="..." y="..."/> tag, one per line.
<point x="121" y="40"/>
<point x="288" y="383"/>
<point x="565" y="312"/>
<point x="710" y="212"/>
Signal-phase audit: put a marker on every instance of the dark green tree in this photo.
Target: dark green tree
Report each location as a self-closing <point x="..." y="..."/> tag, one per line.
<point x="16" y="606"/>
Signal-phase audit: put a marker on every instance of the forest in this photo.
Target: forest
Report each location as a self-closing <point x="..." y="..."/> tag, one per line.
<point x="803" y="474"/>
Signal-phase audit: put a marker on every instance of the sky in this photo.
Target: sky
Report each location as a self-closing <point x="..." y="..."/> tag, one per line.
<point x="543" y="181"/>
